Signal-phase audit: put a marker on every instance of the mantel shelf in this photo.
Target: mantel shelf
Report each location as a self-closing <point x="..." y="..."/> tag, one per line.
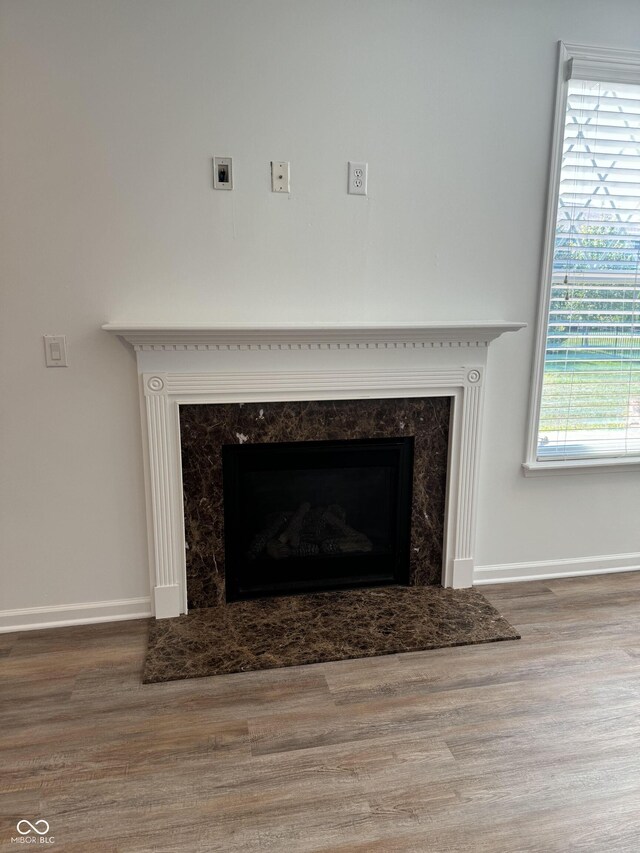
<point x="200" y="336"/>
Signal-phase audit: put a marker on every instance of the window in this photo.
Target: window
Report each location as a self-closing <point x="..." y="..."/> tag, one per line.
<point x="587" y="385"/>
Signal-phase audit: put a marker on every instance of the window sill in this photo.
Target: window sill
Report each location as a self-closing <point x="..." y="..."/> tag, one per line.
<point x="581" y="466"/>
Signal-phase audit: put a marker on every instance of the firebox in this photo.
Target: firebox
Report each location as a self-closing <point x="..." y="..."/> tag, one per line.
<point x="316" y="515"/>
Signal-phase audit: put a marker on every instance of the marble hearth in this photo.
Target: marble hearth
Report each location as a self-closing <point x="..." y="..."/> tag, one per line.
<point x="397" y="373"/>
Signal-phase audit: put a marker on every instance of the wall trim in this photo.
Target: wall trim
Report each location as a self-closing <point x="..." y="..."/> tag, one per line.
<point x="60" y="615"/>
<point x="549" y="569"/>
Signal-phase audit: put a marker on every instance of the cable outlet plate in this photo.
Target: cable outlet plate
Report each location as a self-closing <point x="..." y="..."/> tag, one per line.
<point x="357" y="178"/>
<point x="280" y="176"/>
<point x="222" y="173"/>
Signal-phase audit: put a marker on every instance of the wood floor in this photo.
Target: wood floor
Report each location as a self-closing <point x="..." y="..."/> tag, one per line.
<point x="532" y="745"/>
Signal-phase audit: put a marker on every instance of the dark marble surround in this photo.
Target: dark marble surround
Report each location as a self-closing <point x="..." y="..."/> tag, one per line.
<point x="205" y="428"/>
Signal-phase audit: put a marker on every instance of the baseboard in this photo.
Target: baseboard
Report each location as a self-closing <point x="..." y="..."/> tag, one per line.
<point x="58" y="616"/>
<point x="548" y="569"/>
<point x="33" y="618"/>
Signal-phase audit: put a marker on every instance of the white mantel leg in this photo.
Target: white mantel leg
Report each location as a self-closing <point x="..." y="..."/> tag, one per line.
<point x="165" y="487"/>
<point x="469" y="452"/>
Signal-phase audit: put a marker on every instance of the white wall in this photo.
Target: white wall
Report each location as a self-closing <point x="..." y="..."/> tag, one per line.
<point x="110" y="112"/>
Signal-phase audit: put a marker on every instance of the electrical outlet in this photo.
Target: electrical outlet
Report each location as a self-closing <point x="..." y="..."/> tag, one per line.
<point x="222" y="173"/>
<point x="357" y="178"/>
<point x="280" y="176"/>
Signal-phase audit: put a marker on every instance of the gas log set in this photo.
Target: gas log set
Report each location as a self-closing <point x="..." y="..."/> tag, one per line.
<point x="308" y="532"/>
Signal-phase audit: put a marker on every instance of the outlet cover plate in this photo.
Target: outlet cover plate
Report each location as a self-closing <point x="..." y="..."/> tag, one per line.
<point x="357" y="178"/>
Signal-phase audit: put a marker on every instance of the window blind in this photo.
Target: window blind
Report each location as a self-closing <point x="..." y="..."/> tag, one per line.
<point x="590" y="405"/>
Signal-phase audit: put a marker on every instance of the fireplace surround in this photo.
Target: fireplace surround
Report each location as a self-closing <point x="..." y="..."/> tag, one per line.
<point x="181" y="365"/>
<point x="206" y="429"/>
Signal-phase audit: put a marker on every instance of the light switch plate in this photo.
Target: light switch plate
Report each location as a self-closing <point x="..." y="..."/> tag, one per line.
<point x="55" y="350"/>
<point x="280" y="176"/>
<point x="222" y="173"/>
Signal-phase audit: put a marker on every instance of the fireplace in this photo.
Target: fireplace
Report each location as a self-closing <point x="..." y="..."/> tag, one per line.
<point x="199" y="366"/>
<point x="313" y="515"/>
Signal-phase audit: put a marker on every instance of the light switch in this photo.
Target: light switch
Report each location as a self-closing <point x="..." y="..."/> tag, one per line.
<point x="222" y="173"/>
<point x="55" y="350"/>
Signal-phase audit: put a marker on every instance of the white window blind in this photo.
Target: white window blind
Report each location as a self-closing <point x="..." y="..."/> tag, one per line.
<point x="590" y="404"/>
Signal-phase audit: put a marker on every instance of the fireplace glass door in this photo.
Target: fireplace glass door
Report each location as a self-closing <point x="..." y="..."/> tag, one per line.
<point x="316" y="515"/>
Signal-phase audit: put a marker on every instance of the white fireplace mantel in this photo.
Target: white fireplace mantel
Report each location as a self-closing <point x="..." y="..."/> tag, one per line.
<point x="179" y="364"/>
<point x="198" y="337"/>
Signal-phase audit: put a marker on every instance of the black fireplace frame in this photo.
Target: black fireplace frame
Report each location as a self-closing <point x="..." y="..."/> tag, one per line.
<point x="381" y="570"/>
